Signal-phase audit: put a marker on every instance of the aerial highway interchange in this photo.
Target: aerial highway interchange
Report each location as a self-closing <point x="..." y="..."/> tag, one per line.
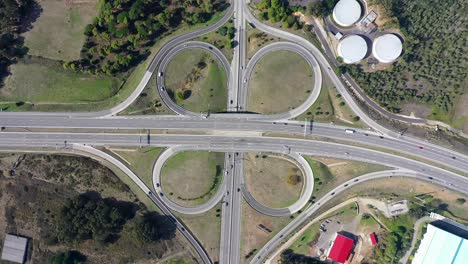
<point x="236" y="133"/>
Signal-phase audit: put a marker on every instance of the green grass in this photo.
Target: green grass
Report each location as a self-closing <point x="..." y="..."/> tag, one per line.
<point x="178" y="261"/>
<point x="10" y="96"/>
<point x="280" y="81"/>
<point x="219" y="41"/>
<point x="368" y="221"/>
<point x="52" y="84"/>
<point x="192" y="177"/>
<point x="326" y="178"/>
<point x="302" y="244"/>
<point x="148" y="102"/>
<point x="208" y="86"/>
<point x="142" y="161"/>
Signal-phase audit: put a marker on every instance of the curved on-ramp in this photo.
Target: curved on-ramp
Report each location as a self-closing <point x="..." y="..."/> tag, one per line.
<point x="296" y="206"/>
<point x="95" y="153"/>
<point x="305" y="215"/>
<point x="157" y="171"/>
<point x="170" y="55"/>
<point x="304" y="53"/>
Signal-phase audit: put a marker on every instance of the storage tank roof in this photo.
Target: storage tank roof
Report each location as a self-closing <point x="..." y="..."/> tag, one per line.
<point x="387" y="48"/>
<point x="352" y="49"/>
<point x="347" y="12"/>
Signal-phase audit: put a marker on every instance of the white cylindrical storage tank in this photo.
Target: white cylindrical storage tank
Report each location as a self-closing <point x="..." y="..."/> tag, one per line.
<point x="347" y="12"/>
<point x="352" y="49"/>
<point x="387" y="48"/>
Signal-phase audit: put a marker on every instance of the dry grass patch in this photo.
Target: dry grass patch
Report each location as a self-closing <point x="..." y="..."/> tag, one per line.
<point x="192" y="177"/>
<point x="253" y="236"/>
<point x="256" y="40"/>
<point x="58" y="32"/>
<point x="273" y="180"/>
<point x="207" y="229"/>
<point x="280" y="81"/>
<point x="329" y="173"/>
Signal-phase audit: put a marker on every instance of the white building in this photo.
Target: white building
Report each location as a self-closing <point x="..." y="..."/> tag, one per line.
<point x="444" y="242"/>
<point x="14" y="248"/>
<point x="347" y="12"/>
<point x="352" y="49"/>
<point x="387" y="48"/>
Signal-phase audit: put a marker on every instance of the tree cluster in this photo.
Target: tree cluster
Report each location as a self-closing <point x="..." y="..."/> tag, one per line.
<point x="69" y="257"/>
<point x="433" y="67"/>
<point x="120" y="36"/>
<point x="229" y="33"/>
<point x="320" y="8"/>
<point x="84" y="218"/>
<point x="274" y="10"/>
<point x="11" y="47"/>
<point x="289" y="257"/>
<point x="152" y="227"/>
<point x="393" y="245"/>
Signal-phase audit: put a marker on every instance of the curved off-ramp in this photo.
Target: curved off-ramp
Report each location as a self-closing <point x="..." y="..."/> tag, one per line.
<point x="306" y="192"/>
<point x="304" y="53"/>
<point x="167" y="100"/>
<point x="306" y="214"/>
<point x="289" y="46"/>
<point x="157" y="171"/>
<point x="100" y="155"/>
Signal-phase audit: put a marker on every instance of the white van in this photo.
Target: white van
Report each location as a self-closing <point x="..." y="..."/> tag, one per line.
<point x="350" y="131"/>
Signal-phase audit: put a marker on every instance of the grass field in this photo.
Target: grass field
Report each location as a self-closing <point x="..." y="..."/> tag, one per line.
<point x="303" y="243"/>
<point x="256" y="40"/>
<point x="330" y="107"/>
<point x="267" y="177"/>
<point x="192" y="177"/>
<point x="280" y="81"/>
<point x="10" y="96"/>
<point x="149" y="102"/>
<point x="58" y="31"/>
<point x="207" y="229"/>
<point x="46" y="82"/>
<point x="253" y="237"/>
<point x="205" y="86"/>
<point x="329" y="173"/>
<point x="140" y="161"/>
<point x="219" y="41"/>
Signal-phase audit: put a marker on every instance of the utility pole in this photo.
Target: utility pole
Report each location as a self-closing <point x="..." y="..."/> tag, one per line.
<point x="305" y="127"/>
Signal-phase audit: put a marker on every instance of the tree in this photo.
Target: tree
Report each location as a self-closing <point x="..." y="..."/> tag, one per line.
<point x="84" y="218"/>
<point x="460" y="201"/>
<point x="223" y="31"/>
<point x="316" y="9"/>
<point x="69" y="257"/>
<point x="152" y="227"/>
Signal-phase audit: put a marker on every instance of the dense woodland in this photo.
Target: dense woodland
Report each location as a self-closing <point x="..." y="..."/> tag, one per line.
<point x="11" y="46"/>
<point x="120" y="36"/>
<point x="88" y="216"/>
<point x="433" y="67"/>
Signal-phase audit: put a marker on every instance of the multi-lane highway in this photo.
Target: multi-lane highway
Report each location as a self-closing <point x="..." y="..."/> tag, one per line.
<point x="236" y="133"/>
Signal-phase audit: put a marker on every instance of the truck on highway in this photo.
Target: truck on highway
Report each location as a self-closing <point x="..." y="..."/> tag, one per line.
<point x="350" y="131"/>
<point x="160" y="74"/>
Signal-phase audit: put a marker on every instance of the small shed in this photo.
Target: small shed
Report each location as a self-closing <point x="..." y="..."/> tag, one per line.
<point x="14" y="248"/>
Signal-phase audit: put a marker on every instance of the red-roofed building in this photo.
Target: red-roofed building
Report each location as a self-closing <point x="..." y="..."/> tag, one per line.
<point x="341" y="249"/>
<point x="373" y="238"/>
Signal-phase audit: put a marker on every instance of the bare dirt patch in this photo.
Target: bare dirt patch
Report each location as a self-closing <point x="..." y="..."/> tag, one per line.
<point x="273" y="180"/>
